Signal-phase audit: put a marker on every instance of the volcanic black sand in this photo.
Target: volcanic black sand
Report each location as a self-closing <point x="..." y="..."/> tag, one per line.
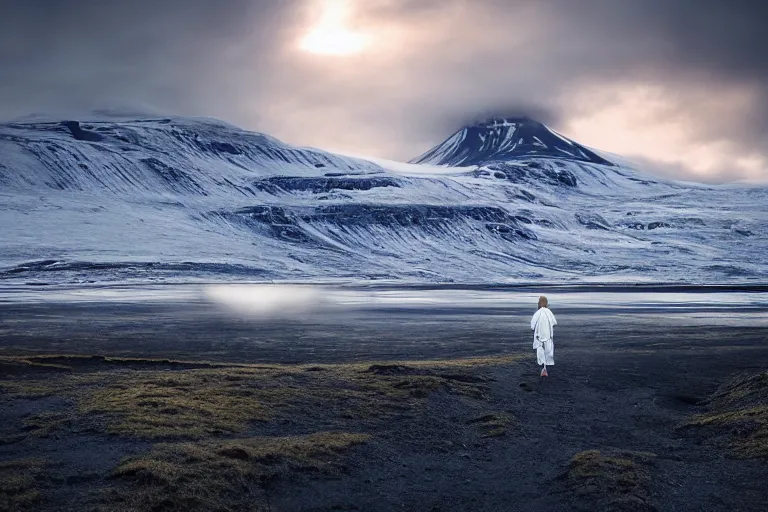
<point x="139" y="406"/>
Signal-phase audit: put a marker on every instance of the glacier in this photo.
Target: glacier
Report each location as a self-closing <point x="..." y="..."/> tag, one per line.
<point x="507" y="201"/>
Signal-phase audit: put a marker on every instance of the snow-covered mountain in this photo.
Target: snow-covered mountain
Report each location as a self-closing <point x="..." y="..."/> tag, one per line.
<point x="503" y="139"/>
<point x="505" y="201"/>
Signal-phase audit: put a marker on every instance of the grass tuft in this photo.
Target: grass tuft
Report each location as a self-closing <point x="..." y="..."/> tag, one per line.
<point x="164" y="400"/>
<point x="193" y="403"/>
<point x="20" y="484"/>
<point x="46" y="423"/>
<point x="222" y="475"/>
<point x="611" y="480"/>
<point x="738" y="416"/>
<point x="195" y="409"/>
<point x="494" y="424"/>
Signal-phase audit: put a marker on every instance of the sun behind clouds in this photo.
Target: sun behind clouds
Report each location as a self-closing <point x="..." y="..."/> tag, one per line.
<point x="330" y="34"/>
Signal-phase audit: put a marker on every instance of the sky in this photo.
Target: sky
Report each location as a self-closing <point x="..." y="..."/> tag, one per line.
<point x="678" y="86"/>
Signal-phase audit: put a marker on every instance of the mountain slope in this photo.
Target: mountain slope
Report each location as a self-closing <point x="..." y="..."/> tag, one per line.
<point x="501" y="139"/>
<point x="181" y="199"/>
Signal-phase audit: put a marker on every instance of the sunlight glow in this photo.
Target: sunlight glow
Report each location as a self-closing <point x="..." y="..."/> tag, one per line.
<point x="650" y="121"/>
<point x="331" y="35"/>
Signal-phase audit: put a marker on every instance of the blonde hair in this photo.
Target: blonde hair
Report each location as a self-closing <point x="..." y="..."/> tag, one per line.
<point x="543" y="302"/>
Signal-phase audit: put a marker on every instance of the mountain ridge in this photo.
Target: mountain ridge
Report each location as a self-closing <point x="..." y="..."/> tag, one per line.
<point x="179" y="199"/>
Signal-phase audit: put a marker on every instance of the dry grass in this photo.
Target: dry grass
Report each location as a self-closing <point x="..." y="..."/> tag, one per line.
<point x="70" y="362"/>
<point x="204" y="400"/>
<point x="611" y="480"/>
<point x="494" y="424"/>
<point x="196" y="409"/>
<point x="46" y="423"/>
<point x="191" y="403"/>
<point x="196" y="403"/>
<point x="20" y="484"/>
<point x="28" y="389"/>
<point x="221" y="475"/>
<point x="738" y="413"/>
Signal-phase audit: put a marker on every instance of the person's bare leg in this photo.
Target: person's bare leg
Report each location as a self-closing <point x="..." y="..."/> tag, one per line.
<point x="544" y="372"/>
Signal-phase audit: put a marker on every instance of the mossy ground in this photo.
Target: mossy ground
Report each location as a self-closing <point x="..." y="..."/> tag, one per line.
<point x="494" y="424"/>
<point x="611" y="479"/>
<point x="192" y="403"/>
<point x="204" y="419"/>
<point x="20" y="483"/>
<point x="738" y="415"/>
<point x="221" y="475"/>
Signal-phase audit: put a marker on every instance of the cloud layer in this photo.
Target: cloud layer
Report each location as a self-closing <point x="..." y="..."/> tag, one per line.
<point x="680" y="85"/>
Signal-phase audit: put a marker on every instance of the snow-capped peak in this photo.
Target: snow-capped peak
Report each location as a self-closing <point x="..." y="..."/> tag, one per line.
<point x="501" y="139"/>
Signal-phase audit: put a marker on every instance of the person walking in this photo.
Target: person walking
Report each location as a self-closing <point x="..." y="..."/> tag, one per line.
<point x="543" y="325"/>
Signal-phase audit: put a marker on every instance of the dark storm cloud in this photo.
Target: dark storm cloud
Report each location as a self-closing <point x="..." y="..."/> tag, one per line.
<point x="722" y="37"/>
<point x="678" y="42"/>
<point x="538" y="112"/>
<point x="445" y="63"/>
<point x="80" y="54"/>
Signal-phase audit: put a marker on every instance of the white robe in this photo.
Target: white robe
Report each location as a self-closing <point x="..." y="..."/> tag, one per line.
<point x="543" y="325"/>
